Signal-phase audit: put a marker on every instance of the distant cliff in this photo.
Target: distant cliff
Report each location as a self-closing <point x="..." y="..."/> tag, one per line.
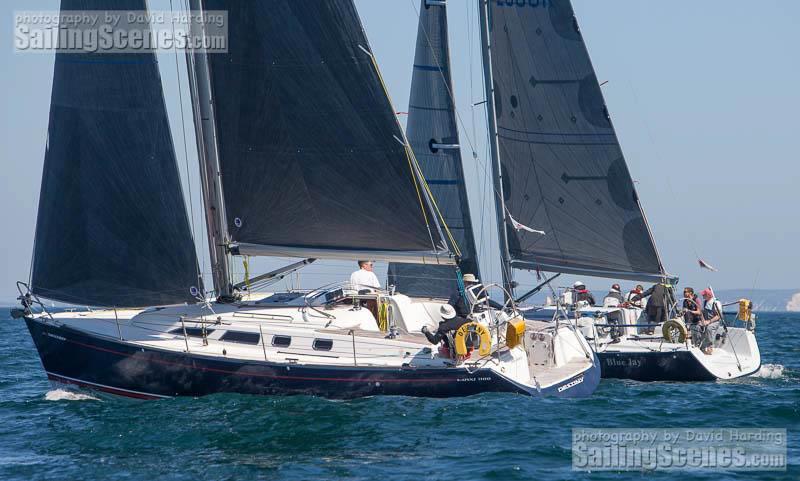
<point x="765" y="300"/>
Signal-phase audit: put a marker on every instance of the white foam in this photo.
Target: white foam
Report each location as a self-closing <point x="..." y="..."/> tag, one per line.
<point x="770" y="371"/>
<point x="67" y="395"/>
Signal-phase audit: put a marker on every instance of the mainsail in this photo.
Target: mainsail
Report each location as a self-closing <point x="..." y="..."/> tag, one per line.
<point x="433" y="134"/>
<point x="563" y="170"/>
<point x="112" y="227"/>
<point x="313" y="160"/>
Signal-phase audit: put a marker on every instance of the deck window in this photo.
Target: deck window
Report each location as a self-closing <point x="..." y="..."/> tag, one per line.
<point x="281" y="341"/>
<point x="191" y="331"/>
<point x="322" y="344"/>
<point x="240" y="337"/>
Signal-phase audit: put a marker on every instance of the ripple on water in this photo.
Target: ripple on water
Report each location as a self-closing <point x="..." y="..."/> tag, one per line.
<point x="50" y="433"/>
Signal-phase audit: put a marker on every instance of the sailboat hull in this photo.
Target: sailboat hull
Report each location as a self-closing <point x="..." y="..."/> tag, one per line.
<point x="73" y="357"/>
<point x="654" y="366"/>
<point x="680" y="366"/>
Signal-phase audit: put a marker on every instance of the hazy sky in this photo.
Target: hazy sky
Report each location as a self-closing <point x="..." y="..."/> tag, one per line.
<point x="704" y="95"/>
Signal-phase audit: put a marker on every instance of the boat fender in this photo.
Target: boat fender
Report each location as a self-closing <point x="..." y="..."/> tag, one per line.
<point x="383" y="316"/>
<point x="673" y="330"/>
<point x="745" y="310"/>
<point x="515" y="332"/>
<point x="476" y="335"/>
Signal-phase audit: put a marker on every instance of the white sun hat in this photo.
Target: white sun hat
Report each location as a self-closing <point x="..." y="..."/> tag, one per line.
<point x="447" y="312"/>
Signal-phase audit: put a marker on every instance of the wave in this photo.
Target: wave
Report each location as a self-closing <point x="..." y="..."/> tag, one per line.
<point x="67" y="395"/>
<point x="770" y="371"/>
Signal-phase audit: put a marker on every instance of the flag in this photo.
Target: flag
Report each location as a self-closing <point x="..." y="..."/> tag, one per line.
<point x="706" y="265"/>
<point x="518" y="227"/>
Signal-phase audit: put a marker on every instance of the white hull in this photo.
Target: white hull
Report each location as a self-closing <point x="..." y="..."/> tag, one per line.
<point x="338" y="342"/>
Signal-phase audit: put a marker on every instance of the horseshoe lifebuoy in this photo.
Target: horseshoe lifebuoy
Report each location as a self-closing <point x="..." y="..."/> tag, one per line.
<point x="673" y="327"/>
<point x="473" y="333"/>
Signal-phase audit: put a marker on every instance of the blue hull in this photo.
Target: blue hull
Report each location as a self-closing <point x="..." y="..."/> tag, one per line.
<point x="74" y="357"/>
<point x="648" y="366"/>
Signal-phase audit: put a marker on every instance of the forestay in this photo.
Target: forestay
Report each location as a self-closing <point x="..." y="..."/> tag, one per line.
<point x="563" y="169"/>
<point x="311" y="153"/>
<point x="112" y="227"/>
<point x="433" y="135"/>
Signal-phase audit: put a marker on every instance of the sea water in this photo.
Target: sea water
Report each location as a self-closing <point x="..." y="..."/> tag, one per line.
<point x="51" y="433"/>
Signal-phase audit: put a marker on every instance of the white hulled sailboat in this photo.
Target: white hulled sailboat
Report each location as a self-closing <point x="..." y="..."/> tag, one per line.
<point x="301" y="155"/>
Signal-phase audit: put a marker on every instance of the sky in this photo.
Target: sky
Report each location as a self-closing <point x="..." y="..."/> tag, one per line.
<point x="704" y="97"/>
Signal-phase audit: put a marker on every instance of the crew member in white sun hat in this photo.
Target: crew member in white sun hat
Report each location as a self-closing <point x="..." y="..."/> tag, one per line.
<point x="450" y="323"/>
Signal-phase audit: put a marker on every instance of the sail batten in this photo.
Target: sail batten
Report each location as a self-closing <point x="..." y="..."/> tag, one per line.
<point x="563" y="171"/>
<point x="308" y="143"/>
<point x="112" y="228"/>
<point x="433" y="135"/>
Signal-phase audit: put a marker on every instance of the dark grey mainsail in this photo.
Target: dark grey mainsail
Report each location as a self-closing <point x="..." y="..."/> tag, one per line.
<point x="562" y="166"/>
<point x="112" y="227"/>
<point x="433" y="134"/>
<point x="312" y="157"/>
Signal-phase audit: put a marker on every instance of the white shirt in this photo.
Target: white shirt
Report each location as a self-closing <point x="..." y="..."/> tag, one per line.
<point x="363" y="278"/>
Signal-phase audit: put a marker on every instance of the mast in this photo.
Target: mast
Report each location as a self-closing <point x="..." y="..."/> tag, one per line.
<point x="208" y="157"/>
<point x="497" y="170"/>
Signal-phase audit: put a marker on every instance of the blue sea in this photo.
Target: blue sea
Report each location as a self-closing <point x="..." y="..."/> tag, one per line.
<point x="50" y="434"/>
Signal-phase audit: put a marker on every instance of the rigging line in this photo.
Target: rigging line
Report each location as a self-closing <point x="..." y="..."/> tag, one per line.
<point x="534" y="169"/>
<point x="185" y="144"/>
<point x="651" y="138"/>
<point x="452" y="98"/>
<point x="417" y="176"/>
<point x="457" y="252"/>
<point x="444" y="78"/>
<point x="204" y="248"/>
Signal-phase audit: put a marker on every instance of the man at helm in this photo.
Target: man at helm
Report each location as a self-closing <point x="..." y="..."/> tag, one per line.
<point x="476" y="295"/>
<point x="450" y="323"/>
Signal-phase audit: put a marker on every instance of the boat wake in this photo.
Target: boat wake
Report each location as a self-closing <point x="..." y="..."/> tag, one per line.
<point x="67" y="395"/>
<point x="770" y="371"/>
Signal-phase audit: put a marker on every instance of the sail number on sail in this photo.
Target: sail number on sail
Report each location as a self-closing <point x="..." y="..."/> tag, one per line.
<point x="524" y="3"/>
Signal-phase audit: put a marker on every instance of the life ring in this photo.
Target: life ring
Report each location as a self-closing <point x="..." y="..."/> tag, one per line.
<point x="675" y="329"/>
<point x="473" y="333"/>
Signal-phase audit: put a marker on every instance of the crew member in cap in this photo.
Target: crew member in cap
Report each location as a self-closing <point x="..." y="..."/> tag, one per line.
<point x="582" y="294"/>
<point x="450" y="323"/>
<point x="615" y="293"/>
<point x="476" y="295"/>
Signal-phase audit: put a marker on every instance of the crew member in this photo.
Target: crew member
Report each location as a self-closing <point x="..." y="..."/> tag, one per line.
<point x="693" y="315"/>
<point x="712" y="314"/>
<point x="658" y="306"/>
<point x="364" y="277"/>
<point x="615" y="293"/>
<point x="364" y="281"/>
<point x="476" y="295"/>
<point x="582" y="294"/>
<point x="636" y="291"/>
<point x="450" y="323"/>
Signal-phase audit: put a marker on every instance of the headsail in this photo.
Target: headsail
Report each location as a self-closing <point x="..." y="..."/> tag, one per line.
<point x="112" y="227"/>
<point x="433" y="135"/>
<point x="563" y="169"/>
<point x="311" y="153"/>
